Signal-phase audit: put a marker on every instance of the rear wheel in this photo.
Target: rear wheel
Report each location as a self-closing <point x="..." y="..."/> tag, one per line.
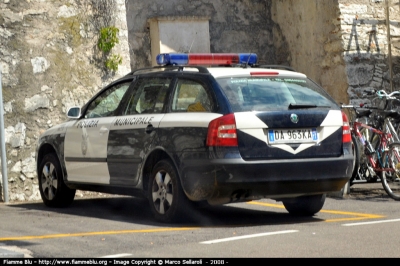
<point x="166" y="197"/>
<point x="391" y="181"/>
<point x="371" y="176"/>
<point x="356" y="156"/>
<point x="362" y="170"/>
<point x="52" y="188"/>
<point x="366" y="171"/>
<point x="305" y="205"/>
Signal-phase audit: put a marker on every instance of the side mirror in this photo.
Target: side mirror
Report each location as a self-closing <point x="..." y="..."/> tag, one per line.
<point x="74" y="112"/>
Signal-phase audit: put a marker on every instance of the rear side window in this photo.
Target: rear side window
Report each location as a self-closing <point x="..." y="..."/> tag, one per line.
<point x="148" y="97"/>
<point x="191" y="96"/>
<point x="264" y="93"/>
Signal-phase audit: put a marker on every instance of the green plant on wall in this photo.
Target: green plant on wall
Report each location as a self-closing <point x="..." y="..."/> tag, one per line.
<point x="107" y="40"/>
<point x="113" y="61"/>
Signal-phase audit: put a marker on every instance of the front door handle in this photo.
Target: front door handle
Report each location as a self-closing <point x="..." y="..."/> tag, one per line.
<point x="103" y="130"/>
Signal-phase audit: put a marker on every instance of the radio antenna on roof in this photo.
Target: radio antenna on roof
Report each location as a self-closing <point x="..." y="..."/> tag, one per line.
<point x="191" y="46"/>
<point x="248" y="60"/>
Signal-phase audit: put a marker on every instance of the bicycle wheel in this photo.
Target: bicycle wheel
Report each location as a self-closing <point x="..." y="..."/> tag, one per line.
<point x="391" y="182"/>
<point x="356" y="156"/>
<point x="366" y="172"/>
<point x="370" y="175"/>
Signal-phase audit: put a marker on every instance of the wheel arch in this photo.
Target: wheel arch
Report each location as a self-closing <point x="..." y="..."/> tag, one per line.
<point x="154" y="157"/>
<point x="47" y="148"/>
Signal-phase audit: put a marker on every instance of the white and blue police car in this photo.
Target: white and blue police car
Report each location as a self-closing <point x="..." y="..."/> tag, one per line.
<point x="216" y="128"/>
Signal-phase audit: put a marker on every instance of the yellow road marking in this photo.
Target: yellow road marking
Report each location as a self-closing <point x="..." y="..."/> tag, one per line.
<point x="359" y="216"/>
<point x="266" y="204"/>
<point x="98" y="233"/>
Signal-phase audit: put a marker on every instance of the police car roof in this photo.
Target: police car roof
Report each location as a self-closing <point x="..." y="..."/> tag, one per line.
<point x="219" y="72"/>
<point x="236" y="64"/>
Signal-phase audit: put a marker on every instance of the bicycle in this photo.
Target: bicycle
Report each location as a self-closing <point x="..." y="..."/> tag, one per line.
<point x="386" y="117"/>
<point x="383" y="159"/>
<point x="381" y="114"/>
<point x="362" y="171"/>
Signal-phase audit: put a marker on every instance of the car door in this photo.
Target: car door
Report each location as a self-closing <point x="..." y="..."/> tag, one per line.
<point x="132" y="134"/>
<point x="86" y="140"/>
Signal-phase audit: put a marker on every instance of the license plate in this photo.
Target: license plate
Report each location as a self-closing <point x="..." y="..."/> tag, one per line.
<point x="304" y="135"/>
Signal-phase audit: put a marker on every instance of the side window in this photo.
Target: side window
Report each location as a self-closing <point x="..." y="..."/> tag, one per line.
<point x="191" y="96"/>
<point x="149" y="96"/>
<point x="106" y="103"/>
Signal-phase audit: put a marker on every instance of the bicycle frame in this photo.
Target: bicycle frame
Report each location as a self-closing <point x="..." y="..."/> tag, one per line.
<point x="384" y="140"/>
<point x="388" y="127"/>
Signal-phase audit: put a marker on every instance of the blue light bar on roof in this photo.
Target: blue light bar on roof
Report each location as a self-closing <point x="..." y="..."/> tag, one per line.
<point x="206" y="59"/>
<point x="172" y="59"/>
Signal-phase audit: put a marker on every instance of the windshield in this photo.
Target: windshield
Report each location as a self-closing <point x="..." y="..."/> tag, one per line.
<point x="272" y="93"/>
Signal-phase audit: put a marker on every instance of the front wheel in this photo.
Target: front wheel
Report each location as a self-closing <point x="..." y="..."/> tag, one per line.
<point x="166" y="197"/>
<point x="305" y="205"/>
<point x="391" y="181"/>
<point x="52" y="188"/>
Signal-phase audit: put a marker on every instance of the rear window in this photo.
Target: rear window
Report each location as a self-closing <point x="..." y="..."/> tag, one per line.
<point x="272" y="93"/>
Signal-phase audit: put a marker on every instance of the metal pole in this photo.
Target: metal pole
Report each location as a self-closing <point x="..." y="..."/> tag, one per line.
<point x="3" y="145"/>
<point x="389" y="45"/>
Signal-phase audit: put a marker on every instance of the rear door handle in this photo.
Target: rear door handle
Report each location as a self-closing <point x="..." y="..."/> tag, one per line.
<point x="149" y="129"/>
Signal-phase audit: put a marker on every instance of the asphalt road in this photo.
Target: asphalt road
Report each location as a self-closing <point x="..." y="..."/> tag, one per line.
<point x="363" y="224"/>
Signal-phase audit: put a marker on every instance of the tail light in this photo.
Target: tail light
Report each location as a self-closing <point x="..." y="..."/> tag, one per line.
<point x="265" y="73"/>
<point x="346" y="129"/>
<point x="222" y="131"/>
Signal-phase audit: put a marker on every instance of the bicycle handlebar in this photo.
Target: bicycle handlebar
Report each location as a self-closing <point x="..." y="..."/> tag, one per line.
<point x="356" y="107"/>
<point x="347" y="106"/>
<point x="382" y="93"/>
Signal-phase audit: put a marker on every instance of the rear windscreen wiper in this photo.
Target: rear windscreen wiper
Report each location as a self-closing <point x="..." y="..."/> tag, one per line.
<point x="301" y="106"/>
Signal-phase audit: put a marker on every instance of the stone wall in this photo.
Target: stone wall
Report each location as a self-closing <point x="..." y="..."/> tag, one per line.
<point x="49" y="61"/>
<point x="365" y="43"/>
<point x="311" y="31"/>
<point x="235" y="26"/>
<point x="341" y="44"/>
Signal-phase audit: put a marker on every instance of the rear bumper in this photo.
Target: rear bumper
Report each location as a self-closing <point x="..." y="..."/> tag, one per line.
<point x="222" y="181"/>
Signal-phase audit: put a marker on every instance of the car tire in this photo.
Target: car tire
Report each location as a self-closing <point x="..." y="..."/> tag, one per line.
<point x="166" y="196"/>
<point x="52" y="188"/>
<point x="305" y="205"/>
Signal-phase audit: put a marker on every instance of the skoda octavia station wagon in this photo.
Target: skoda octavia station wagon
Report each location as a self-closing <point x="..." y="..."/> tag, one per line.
<point x="216" y="128"/>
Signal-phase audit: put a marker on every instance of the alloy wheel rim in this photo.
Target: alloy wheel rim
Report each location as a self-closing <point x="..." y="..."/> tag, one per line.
<point x="49" y="181"/>
<point x="162" y="192"/>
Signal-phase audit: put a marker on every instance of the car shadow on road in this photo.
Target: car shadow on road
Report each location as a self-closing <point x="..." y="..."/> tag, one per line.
<point x="136" y="210"/>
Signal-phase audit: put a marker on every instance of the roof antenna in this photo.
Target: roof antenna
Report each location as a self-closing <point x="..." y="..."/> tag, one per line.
<point x="191" y="46"/>
<point x="248" y="60"/>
